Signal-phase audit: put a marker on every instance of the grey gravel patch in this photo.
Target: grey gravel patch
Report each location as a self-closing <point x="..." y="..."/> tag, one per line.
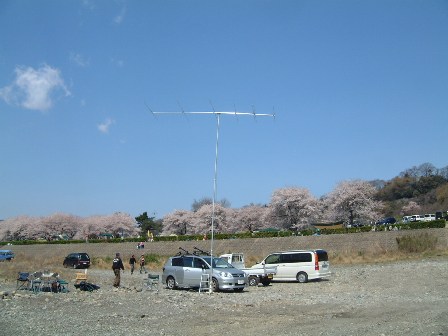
<point x="403" y="298"/>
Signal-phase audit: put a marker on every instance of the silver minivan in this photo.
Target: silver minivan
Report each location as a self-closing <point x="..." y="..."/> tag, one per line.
<point x="186" y="271"/>
<point x="298" y="265"/>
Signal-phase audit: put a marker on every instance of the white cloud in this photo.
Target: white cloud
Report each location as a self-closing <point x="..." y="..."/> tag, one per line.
<point x="120" y="17"/>
<point x="104" y="127"/>
<point x="88" y="4"/>
<point x="33" y="89"/>
<point x="79" y="60"/>
<point x="117" y="62"/>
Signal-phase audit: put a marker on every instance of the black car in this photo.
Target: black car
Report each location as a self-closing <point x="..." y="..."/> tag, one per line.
<point x="387" y="221"/>
<point x="77" y="260"/>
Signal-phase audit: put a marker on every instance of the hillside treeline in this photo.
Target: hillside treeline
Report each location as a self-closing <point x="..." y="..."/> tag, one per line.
<point x="423" y="188"/>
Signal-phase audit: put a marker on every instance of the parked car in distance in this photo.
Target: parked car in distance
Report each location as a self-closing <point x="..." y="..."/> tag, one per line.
<point x="7" y="255"/>
<point x="298" y="265"/>
<point x="186" y="271"/>
<point x="429" y="217"/>
<point x="406" y="219"/>
<point x="77" y="260"/>
<point x="387" y="221"/>
<point x="417" y="218"/>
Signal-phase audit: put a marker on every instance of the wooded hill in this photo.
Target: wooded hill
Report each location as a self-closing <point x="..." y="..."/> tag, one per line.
<point x="420" y="189"/>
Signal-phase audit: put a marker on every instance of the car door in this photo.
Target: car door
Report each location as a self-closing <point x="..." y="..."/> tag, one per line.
<point x="273" y="260"/>
<point x="71" y="260"/>
<point x="176" y="269"/>
<point x="199" y="267"/>
<point x="191" y="276"/>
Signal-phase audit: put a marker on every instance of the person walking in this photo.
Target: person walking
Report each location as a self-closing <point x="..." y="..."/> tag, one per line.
<point x="132" y="262"/>
<point x="142" y="264"/>
<point x="117" y="267"/>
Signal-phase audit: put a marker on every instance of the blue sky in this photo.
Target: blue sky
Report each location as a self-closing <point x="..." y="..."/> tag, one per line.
<point x="359" y="88"/>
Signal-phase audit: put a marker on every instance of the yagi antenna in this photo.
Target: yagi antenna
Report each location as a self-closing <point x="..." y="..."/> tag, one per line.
<point x="215" y="179"/>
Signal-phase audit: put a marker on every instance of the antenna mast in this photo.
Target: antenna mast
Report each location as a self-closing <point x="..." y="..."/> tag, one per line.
<point x="215" y="176"/>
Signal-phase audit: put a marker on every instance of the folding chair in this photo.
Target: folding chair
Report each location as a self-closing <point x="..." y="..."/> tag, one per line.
<point x="80" y="277"/>
<point x="63" y="286"/>
<point x="152" y="282"/>
<point x="23" y="281"/>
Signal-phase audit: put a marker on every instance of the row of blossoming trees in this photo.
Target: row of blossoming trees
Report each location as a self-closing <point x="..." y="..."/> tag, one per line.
<point x="74" y="227"/>
<point x="289" y="208"/>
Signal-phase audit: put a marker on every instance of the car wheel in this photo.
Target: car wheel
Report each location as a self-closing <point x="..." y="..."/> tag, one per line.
<point x="74" y="266"/>
<point x="65" y="265"/>
<point x="170" y="283"/>
<point x="215" y="285"/>
<point x="302" y="277"/>
<point x="253" y="281"/>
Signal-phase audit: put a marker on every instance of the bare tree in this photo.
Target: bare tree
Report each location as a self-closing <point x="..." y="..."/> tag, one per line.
<point x="208" y="200"/>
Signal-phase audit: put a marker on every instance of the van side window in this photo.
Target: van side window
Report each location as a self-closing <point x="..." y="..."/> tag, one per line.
<point x="296" y="257"/>
<point x="199" y="263"/>
<point x="322" y="255"/>
<point x="188" y="261"/>
<point x="177" y="262"/>
<point x="272" y="259"/>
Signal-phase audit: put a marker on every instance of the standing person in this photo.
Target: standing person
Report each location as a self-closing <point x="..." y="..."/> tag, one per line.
<point x="142" y="264"/>
<point x="132" y="262"/>
<point x="117" y="267"/>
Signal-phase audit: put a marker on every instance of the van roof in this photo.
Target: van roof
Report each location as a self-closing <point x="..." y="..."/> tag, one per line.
<point x="293" y="251"/>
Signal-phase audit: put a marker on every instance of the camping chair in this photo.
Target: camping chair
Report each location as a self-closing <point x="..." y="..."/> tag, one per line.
<point x="80" y="277"/>
<point x="23" y="281"/>
<point x="63" y="286"/>
<point x="152" y="282"/>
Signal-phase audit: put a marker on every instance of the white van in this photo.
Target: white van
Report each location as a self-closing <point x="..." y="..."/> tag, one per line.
<point x="298" y="265"/>
<point x="429" y="217"/>
<point x="417" y="218"/>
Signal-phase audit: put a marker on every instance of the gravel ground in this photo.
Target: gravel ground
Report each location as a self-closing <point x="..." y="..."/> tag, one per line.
<point x="401" y="298"/>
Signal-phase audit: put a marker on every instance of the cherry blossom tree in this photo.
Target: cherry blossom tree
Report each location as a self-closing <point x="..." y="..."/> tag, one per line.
<point x="248" y="218"/>
<point x="352" y="198"/>
<point x="202" y="219"/>
<point x="292" y="208"/>
<point x="410" y="208"/>
<point x="15" y="228"/>
<point x="178" y="222"/>
<point x="59" y="224"/>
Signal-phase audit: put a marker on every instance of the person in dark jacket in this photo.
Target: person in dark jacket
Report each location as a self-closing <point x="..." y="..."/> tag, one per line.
<point x="117" y="267"/>
<point x="132" y="262"/>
